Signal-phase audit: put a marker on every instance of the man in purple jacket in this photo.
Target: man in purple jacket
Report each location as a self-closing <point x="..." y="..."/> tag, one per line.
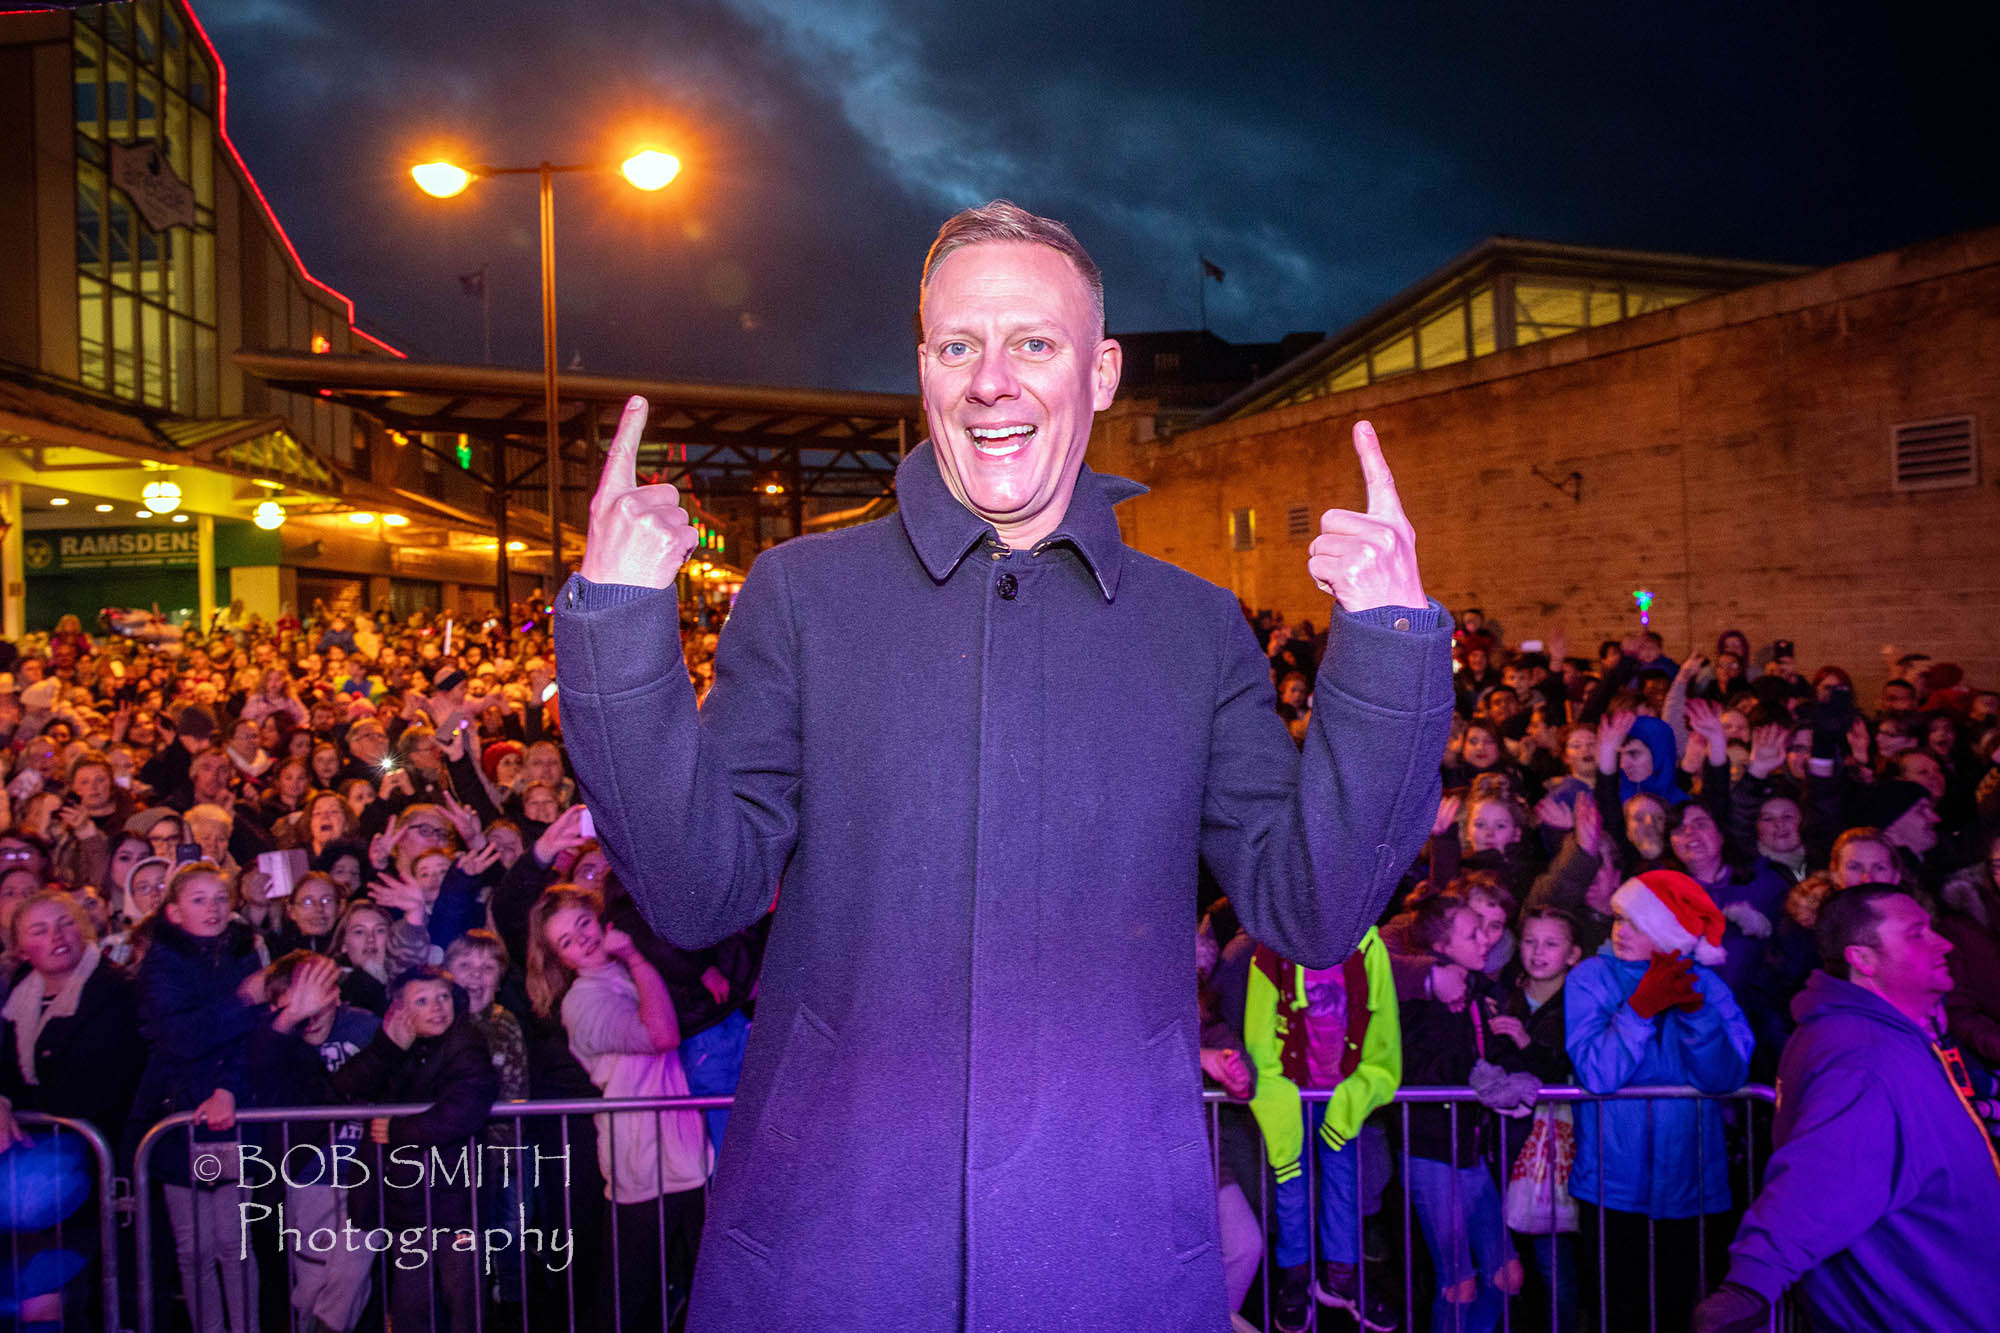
<point x="1883" y="1179"/>
<point x="987" y="746"/>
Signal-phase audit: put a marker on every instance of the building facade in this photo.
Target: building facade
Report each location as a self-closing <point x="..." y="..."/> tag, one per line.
<point x="1800" y="458"/>
<point x="141" y="258"/>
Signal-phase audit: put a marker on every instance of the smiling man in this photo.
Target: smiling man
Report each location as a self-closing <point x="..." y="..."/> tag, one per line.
<point x="1882" y="1181"/>
<point x="971" y="1100"/>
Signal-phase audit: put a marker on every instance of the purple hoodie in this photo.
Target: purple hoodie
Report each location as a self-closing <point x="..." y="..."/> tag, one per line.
<point x="1882" y="1184"/>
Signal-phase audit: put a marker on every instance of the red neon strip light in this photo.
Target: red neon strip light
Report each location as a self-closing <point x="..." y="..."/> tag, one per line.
<point x="222" y="132"/>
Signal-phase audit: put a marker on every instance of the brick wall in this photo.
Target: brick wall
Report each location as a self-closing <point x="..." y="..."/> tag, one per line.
<point x="1735" y="459"/>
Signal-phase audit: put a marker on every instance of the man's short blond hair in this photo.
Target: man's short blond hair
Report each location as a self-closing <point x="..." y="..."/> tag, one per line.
<point x="1003" y="220"/>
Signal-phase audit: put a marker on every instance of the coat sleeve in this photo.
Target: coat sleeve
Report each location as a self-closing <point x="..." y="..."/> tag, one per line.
<point x="1826" y="1185"/>
<point x="1309" y="845"/>
<point x="1608" y="1041"/>
<point x="604" y="1020"/>
<point x="1275" y="1100"/>
<point x="697" y="809"/>
<point x="1715" y="1040"/>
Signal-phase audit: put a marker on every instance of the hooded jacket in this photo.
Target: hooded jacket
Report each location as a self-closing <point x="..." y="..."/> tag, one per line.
<point x="987" y="777"/>
<point x="1681" y="1167"/>
<point x="1274" y="1033"/>
<point x="1881" y="1185"/>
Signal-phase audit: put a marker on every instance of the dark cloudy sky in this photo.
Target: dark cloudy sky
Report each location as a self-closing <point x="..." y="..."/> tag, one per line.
<point x="1324" y="155"/>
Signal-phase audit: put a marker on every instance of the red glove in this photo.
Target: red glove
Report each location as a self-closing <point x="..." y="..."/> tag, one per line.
<point x="1668" y="984"/>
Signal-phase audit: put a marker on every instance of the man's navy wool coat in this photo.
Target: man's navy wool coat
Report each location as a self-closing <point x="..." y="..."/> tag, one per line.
<point x="985" y="779"/>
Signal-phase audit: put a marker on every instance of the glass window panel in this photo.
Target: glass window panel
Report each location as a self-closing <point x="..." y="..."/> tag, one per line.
<point x="182" y="332"/>
<point x="207" y="366"/>
<point x="173" y="47"/>
<point x="1605" y="308"/>
<point x="201" y="148"/>
<point x="1353" y="375"/>
<point x="90" y="331"/>
<point x="147" y="14"/>
<point x="1483" y="341"/>
<point x="204" y="277"/>
<point x="117" y="97"/>
<point x="1394" y="357"/>
<point x="89" y="67"/>
<point x="147" y="125"/>
<point x="177" y="135"/>
<point x="1546" y="311"/>
<point x="90" y="239"/>
<point x="89" y="16"/>
<point x="180" y="281"/>
<point x="200" y="80"/>
<point x="152" y="261"/>
<point x="1645" y="300"/>
<point x="153" y="353"/>
<point x="1441" y="340"/>
<point x="124" y="345"/>
<point x="118" y="27"/>
<point x="118" y="239"/>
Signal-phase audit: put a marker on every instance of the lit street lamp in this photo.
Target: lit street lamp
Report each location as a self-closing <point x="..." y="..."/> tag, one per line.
<point x="647" y="169"/>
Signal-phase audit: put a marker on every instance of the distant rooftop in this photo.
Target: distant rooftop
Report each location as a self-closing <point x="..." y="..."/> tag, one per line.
<point x="1502" y="293"/>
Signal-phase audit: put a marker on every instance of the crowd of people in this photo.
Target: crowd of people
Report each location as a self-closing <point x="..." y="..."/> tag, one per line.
<point x="1643" y="873"/>
<point x="345" y="863"/>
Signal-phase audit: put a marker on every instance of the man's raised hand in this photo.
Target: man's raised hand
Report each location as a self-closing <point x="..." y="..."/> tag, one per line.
<point x="639" y="535"/>
<point x="1368" y="560"/>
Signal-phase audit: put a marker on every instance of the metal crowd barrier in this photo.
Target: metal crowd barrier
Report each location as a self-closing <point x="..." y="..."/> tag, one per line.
<point x="273" y="1152"/>
<point x="1785" y="1317"/>
<point x="33" y="1185"/>
<point x="283" y="1150"/>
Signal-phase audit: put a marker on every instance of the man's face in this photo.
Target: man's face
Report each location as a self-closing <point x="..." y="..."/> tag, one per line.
<point x="210" y="777"/>
<point x="368" y="743"/>
<point x="1013" y="368"/>
<point x="1898" y="697"/>
<point x="1915" y="830"/>
<point x="1907" y="957"/>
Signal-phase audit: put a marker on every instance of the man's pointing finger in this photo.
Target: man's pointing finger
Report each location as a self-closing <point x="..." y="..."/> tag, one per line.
<point x="1382" y="499"/>
<point x="621" y="460"/>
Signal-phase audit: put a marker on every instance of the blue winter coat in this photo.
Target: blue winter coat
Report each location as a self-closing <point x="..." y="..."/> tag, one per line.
<point x="987" y="778"/>
<point x="1881" y="1183"/>
<point x="1682" y="1167"/>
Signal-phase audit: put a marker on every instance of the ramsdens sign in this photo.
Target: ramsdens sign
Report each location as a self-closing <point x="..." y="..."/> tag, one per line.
<point x="111" y="548"/>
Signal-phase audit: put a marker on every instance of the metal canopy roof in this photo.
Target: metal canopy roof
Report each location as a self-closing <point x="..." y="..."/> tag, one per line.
<point x="726" y="438"/>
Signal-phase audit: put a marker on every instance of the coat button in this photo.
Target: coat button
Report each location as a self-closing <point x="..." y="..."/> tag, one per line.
<point x="1007" y="586"/>
<point x="1402" y="622"/>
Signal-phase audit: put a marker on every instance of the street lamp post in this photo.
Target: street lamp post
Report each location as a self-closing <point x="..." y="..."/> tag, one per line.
<point x="647" y="170"/>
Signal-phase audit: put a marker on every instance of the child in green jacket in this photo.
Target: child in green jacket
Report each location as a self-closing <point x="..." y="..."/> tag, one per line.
<point x="1331" y="1029"/>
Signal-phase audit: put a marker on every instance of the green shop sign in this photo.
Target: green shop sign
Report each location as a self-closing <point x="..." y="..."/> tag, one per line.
<point x="88" y="549"/>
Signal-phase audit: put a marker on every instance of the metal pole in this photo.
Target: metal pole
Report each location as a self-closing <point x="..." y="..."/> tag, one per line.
<point x="503" y="587"/>
<point x="554" y="440"/>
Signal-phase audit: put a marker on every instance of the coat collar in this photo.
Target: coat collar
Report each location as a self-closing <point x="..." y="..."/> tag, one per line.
<point x="943" y="531"/>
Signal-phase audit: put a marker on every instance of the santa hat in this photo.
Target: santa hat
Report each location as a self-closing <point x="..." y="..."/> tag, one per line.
<point x="1675" y="911"/>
